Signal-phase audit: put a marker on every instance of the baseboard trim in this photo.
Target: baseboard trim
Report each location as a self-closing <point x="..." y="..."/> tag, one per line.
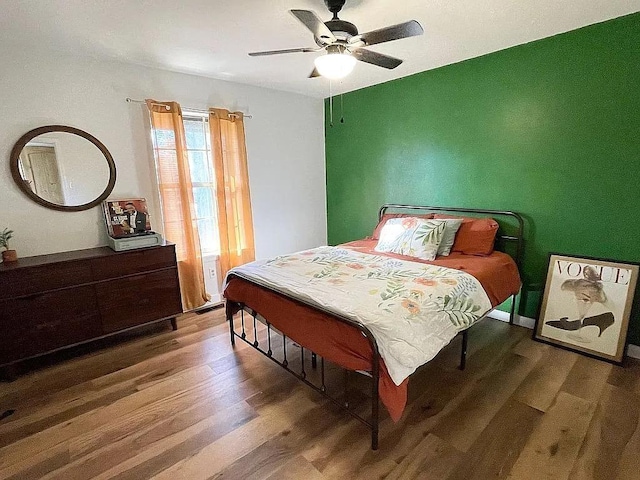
<point x="633" y="351"/>
<point x="518" y="320"/>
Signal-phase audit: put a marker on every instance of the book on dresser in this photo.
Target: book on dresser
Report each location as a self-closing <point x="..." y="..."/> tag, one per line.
<point x="50" y="302"/>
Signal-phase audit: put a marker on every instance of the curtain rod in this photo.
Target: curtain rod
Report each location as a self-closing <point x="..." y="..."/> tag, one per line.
<point x="196" y="110"/>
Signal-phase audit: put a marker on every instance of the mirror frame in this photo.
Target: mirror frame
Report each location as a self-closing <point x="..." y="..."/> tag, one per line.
<point x="24" y="186"/>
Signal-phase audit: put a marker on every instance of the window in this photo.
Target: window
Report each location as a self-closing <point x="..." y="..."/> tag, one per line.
<point x="196" y="129"/>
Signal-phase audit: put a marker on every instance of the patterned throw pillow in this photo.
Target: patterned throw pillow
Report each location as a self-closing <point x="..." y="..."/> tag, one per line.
<point x="411" y="236"/>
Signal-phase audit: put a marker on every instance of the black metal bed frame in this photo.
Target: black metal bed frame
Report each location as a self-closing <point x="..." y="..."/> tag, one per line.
<point x="373" y="424"/>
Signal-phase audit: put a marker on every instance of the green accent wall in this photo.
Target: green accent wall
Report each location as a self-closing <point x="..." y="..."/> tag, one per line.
<point x="550" y="129"/>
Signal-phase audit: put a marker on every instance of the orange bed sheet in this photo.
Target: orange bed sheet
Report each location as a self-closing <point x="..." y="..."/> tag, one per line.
<point x="345" y="345"/>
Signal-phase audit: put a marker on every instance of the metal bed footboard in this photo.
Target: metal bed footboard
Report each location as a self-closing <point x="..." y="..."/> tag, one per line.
<point x="374" y="373"/>
<point x="373" y="424"/>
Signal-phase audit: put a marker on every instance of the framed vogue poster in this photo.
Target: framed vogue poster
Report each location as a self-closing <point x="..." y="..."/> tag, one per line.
<point x="586" y="305"/>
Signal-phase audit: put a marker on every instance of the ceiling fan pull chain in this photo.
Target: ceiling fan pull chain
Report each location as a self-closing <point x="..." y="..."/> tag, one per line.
<point x="341" y="109"/>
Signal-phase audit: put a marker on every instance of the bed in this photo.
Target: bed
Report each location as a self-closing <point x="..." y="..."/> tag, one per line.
<point x="382" y="314"/>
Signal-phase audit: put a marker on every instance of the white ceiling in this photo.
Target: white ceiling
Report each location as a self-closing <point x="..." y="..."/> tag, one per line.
<point x="212" y="37"/>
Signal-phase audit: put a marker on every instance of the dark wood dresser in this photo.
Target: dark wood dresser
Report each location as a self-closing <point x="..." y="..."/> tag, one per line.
<point x="49" y="302"/>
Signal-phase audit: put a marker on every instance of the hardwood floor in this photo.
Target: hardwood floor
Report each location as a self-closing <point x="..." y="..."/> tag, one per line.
<point x="185" y="404"/>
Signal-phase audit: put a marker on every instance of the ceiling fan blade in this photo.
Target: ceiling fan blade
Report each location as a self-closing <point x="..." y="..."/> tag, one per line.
<point x="288" y="50"/>
<point x="310" y="20"/>
<point x="395" y="32"/>
<point x="376" y="58"/>
<point x="314" y="74"/>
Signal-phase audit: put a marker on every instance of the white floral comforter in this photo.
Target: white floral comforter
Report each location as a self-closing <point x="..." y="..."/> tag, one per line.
<point x="412" y="309"/>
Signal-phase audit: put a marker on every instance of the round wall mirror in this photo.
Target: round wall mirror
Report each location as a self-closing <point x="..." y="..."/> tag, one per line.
<point x="63" y="168"/>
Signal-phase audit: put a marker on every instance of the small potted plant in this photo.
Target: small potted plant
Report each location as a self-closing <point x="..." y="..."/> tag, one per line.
<point x="7" y="255"/>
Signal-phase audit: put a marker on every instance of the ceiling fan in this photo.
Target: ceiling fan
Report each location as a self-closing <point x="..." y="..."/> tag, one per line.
<point x="343" y="44"/>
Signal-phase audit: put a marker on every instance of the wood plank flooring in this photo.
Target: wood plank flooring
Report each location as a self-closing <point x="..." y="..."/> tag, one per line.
<point x="162" y="404"/>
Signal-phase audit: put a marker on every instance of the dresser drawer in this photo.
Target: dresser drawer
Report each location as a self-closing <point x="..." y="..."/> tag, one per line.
<point x="27" y="281"/>
<point x="43" y="322"/>
<point x="135" y="261"/>
<point x="138" y="299"/>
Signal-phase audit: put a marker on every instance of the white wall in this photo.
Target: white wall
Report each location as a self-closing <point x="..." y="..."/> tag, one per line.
<point x="285" y="147"/>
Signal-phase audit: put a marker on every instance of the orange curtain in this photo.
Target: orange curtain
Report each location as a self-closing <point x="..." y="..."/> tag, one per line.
<point x="232" y="188"/>
<point x="176" y="195"/>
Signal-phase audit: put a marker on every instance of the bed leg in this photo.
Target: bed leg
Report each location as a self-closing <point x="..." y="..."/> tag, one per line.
<point x="512" y="314"/>
<point x="463" y="353"/>
<point x="229" y="315"/>
<point x="346" y="389"/>
<point x="375" y="396"/>
<point x="285" y="363"/>
<point x="314" y="360"/>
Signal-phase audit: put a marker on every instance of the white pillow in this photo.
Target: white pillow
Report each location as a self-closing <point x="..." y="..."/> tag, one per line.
<point x="411" y="236"/>
<point x="449" y="236"/>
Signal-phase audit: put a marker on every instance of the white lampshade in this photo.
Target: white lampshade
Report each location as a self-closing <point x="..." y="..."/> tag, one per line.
<point x="335" y="65"/>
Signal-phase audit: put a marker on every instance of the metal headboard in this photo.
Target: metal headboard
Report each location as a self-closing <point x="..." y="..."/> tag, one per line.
<point x="516" y="238"/>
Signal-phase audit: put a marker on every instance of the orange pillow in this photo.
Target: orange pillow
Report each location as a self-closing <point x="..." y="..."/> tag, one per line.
<point x="476" y="236"/>
<point x="387" y="216"/>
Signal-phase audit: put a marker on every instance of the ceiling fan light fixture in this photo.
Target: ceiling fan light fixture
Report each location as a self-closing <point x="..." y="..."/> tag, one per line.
<point x="335" y="65"/>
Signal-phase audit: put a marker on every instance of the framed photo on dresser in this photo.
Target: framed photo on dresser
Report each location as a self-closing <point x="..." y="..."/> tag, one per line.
<point x="127" y="217"/>
<point x="586" y="305"/>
